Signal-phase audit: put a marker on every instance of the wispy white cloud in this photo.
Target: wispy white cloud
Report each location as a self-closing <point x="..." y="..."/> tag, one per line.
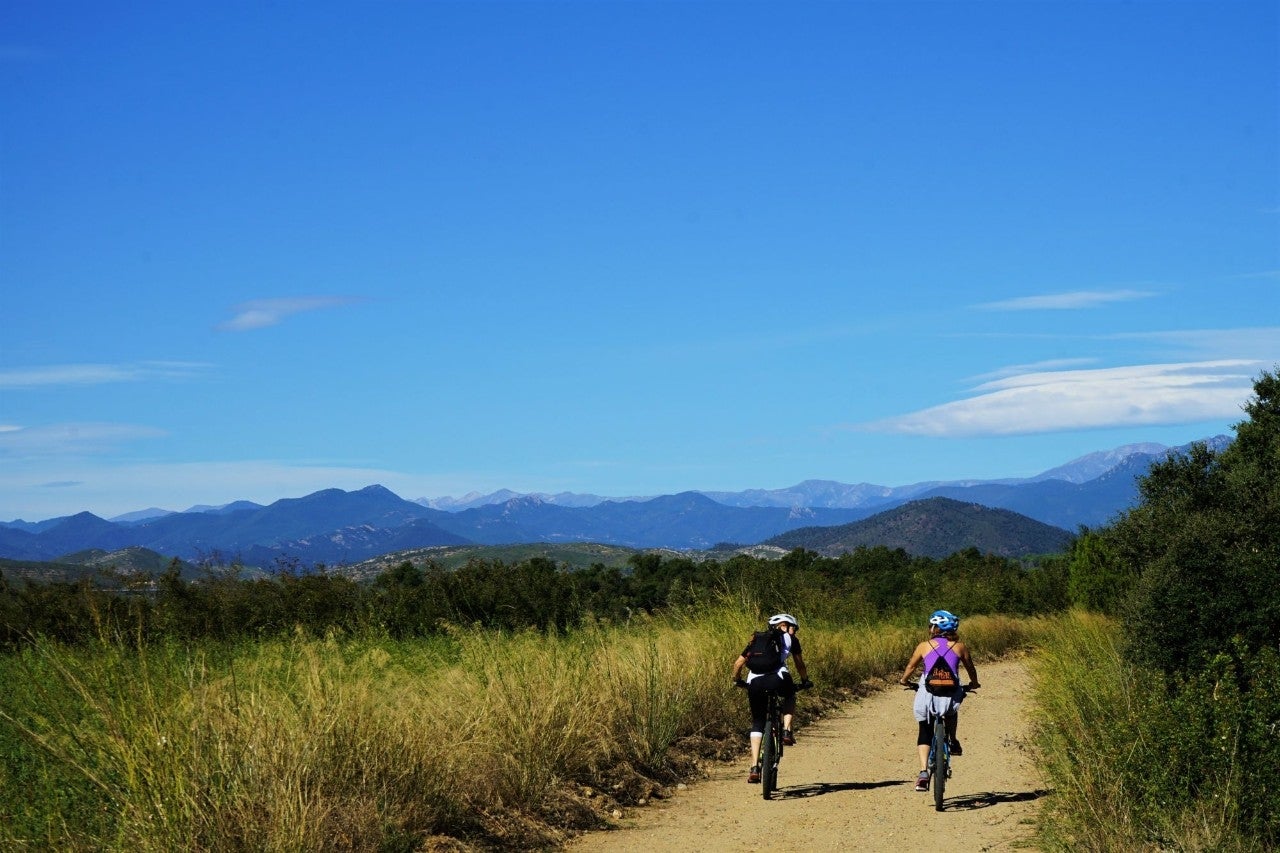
<point x="1035" y="367"/>
<point x="97" y="374"/>
<point x="261" y="313"/>
<point x="1072" y="301"/>
<point x="1258" y="342"/>
<point x="70" y="439"/>
<point x="1087" y="399"/>
<point x="1251" y="343"/>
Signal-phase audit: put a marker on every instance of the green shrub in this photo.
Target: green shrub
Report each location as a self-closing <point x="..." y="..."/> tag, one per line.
<point x="1140" y="763"/>
<point x="1204" y="543"/>
<point x="1221" y="744"/>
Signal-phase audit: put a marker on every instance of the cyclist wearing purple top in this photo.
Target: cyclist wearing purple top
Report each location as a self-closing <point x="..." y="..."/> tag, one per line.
<point x="942" y="643"/>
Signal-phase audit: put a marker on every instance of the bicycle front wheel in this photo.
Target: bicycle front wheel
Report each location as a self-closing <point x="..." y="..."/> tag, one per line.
<point x="938" y="761"/>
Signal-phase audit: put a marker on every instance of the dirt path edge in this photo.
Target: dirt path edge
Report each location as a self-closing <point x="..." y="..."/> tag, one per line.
<point x="849" y="782"/>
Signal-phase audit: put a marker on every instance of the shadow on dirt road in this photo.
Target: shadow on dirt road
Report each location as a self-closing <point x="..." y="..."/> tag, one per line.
<point x="793" y="792"/>
<point x="994" y="798"/>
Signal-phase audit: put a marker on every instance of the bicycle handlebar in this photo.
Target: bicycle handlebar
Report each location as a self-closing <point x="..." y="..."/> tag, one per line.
<point x="803" y="685"/>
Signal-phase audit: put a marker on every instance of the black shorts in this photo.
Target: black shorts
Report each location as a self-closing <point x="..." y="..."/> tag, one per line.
<point x="757" y="696"/>
<point x="925" y="735"/>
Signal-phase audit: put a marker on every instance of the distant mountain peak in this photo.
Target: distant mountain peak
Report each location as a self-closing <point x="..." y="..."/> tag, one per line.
<point x="1093" y="465"/>
<point x="468" y="501"/>
<point x="1104" y="462"/>
<point x="141" y="515"/>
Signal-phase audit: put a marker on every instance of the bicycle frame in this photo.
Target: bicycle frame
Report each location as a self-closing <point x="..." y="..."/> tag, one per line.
<point x="939" y="761"/>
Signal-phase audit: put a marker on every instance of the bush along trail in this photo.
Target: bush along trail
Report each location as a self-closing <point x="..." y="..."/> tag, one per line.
<point x="849" y="782"/>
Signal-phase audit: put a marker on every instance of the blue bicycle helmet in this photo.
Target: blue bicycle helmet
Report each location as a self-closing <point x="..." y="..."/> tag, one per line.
<point x="945" y="620"/>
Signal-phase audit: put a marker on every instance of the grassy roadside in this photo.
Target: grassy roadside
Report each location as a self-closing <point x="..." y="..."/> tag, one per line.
<point x="1134" y="767"/>
<point x="493" y="739"/>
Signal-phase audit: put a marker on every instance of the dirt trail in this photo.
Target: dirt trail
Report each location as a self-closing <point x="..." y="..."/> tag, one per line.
<point x="848" y="783"/>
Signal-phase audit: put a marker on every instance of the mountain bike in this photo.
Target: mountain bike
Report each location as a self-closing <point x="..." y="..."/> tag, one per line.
<point x="772" y="746"/>
<point x="939" y="761"/>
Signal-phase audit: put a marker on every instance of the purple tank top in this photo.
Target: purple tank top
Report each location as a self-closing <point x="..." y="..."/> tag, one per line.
<point x="943" y="650"/>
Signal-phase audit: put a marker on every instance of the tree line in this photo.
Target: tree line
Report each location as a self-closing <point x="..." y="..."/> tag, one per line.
<point x="419" y="599"/>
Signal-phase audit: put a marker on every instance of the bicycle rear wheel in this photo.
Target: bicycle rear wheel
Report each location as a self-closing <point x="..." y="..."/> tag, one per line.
<point x="770" y="752"/>
<point x="768" y="762"/>
<point x="938" y="761"/>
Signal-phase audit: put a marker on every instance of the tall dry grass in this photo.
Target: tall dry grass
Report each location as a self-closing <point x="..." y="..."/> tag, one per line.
<point x="370" y="744"/>
<point x="1134" y="767"/>
<point x="1086" y="701"/>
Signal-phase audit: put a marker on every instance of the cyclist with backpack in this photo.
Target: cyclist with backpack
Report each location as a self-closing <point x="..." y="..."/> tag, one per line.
<point x="766" y="659"/>
<point x="938" y="689"/>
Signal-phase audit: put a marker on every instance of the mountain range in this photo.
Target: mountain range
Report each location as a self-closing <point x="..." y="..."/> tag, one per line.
<point x="336" y="527"/>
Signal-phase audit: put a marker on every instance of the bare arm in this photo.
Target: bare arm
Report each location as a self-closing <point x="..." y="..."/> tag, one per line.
<point x="916" y="657"/>
<point x="967" y="660"/>
<point x="800" y="666"/>
<point x="737" y="666"/>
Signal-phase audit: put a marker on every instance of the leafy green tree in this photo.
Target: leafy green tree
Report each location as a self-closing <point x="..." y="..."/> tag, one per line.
<point x="659" y="581"/>
<point x="1204" y="542"/>
<point x="1095" y="578"/>
<point x="881" y="574"/>
<point x="542" y="595"/>
<point x="182" y="609"/>
<point x="320" y="601"/>
<point x="973" y="582"/>
<point x="602" y="591"/>
<point x="396" y="600"/>
<point x="1047" y="581"/>
<point x="13" y="616"/>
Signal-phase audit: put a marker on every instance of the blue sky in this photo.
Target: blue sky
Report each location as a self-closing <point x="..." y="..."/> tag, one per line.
<point x="253" y="250"/>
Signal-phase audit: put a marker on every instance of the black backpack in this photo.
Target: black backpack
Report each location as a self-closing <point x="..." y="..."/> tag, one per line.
<point x="941" y="679"/>
<point x="764" y="653"/>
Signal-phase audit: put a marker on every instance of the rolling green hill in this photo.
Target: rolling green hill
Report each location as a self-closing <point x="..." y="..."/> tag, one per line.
<point x="936" y="527"/>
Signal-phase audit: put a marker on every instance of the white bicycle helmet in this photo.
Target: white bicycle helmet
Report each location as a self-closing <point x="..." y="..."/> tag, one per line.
<point x="783" y="617"/>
